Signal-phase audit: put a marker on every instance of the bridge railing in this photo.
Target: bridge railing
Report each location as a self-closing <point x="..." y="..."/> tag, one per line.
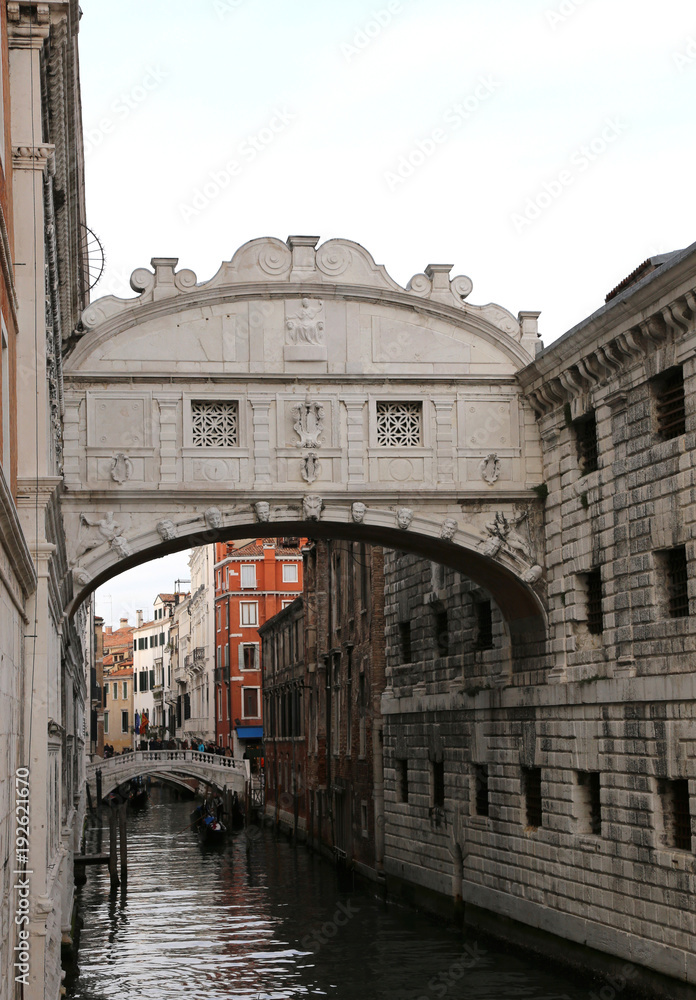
<point x="150" y="757"/>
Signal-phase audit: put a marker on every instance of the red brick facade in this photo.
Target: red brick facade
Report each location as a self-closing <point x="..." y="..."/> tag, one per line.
<point x="335" y="795"/>
<point x="252" y="583"/>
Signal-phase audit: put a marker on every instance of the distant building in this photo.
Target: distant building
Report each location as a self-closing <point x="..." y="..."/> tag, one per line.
<point x="323" y="680"/>
<point x="285" y="746"/>
<point x="152" y="670"/>
<point x="252" y="584"/>
<point x="118" y="709"/>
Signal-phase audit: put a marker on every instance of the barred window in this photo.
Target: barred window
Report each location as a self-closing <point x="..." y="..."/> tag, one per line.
<point x="481" y="799"/>
<point x="214" y="424"/>
<point x="676" y="813"/>
<point x="399" y="424"/>
<point x="668" y="390"/>
<point x="595" y="618"/>
<point x="531" y="784"/>
<point x="672" y="565"/>
<point x="586" y="442"/>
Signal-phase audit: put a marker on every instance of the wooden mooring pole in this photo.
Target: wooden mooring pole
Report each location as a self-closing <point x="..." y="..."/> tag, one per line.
<point x="123" y="838"/>
<point x="113" y="861"/>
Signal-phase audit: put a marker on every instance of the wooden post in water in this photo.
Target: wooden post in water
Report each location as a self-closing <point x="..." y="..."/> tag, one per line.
<point x="113" y="833"/>
<point x="123" y="838"/>
<point x="99" y="791"/>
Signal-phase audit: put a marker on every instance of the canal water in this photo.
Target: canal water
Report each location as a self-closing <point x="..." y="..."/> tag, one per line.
<point x="262" y="920"/>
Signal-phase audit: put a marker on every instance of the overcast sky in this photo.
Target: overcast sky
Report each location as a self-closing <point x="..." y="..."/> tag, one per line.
<point x="542" y="147"/>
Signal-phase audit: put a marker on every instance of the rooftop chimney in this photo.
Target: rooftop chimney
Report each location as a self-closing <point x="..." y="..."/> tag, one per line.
<point x="124" y="622"/>
<point x="138" y="618"/>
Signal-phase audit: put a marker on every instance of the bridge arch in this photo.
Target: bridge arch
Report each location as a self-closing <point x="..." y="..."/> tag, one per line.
<point x="303" y="391"/>
<point x="223" y="773"/>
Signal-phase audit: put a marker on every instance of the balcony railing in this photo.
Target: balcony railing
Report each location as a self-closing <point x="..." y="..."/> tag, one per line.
<point x="199" y="653"/>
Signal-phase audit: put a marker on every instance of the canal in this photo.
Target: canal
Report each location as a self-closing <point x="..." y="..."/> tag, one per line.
<point x="262" y="920"/>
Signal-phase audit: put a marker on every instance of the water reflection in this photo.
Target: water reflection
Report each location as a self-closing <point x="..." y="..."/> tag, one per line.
<point x="260" y="920"/>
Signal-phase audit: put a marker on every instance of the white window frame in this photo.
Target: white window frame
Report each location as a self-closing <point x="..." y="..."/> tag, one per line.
<point x="247" y="570"/>
<point x="242" y="646"/>
<point x="115" y="690"/>
<point x="286" y="603"/>
<point x="124" y="711"/>
<point x="245" y="611"/>
<point x="106" y="723"/>
<point x="256" y="714"/>
<point x="288" y="577"/>
<point x="125" y="690"/>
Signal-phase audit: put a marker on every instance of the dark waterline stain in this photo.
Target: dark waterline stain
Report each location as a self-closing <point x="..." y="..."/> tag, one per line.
<point x="260" y="919"/>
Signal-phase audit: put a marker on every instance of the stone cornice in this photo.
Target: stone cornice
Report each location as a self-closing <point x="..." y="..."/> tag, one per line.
<point x="28" y="24"/>
<point x="28" y="157"/>
<point x="659" y="310"/>
<point x="14" y="543"/>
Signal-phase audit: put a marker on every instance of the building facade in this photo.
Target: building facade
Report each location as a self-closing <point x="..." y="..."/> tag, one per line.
<point x="252" y="583"/>
<point x="285" y="744"/>
<point x="324" y="775"/>
<point x="559" y="792"/>
<point x="44" y="686"/>
<point x="118" y="709"/>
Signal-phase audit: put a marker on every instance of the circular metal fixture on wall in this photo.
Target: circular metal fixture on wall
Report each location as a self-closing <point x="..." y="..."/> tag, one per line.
<point x="92" y="254"/>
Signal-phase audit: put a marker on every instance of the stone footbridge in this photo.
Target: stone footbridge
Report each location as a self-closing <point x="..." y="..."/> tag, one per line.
<point x="224" y="773"/>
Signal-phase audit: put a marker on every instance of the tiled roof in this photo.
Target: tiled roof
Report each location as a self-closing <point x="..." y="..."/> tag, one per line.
<point x="121" y="672"/>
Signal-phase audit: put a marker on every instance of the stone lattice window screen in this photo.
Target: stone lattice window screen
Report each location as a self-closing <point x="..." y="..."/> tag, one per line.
<point x="214" y="424"/>
<point x="399" y="424"/>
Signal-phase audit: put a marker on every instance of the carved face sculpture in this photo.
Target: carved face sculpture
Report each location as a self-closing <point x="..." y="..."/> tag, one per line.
<point x="263" y="510"/>
<point x="213" y="517"/>
<point x="311" y="507"/>
<point x="449" y="527"/>
<point x="358" y="511"/>
<point x="120" y="546"/>
<point x="404" y="516"/>
<point x="166" y="530"/>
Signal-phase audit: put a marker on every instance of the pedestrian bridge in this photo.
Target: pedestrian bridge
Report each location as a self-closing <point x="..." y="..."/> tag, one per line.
<point x="224" y="773"/>
<point x="300" y="392"/>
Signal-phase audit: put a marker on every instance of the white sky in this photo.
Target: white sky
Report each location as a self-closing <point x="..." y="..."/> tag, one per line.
<point x="582" y="107"/>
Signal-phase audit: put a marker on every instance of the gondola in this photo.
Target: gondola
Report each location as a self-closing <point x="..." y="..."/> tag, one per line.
<point x="138" y="793"/>
<point x="209" y="829"/>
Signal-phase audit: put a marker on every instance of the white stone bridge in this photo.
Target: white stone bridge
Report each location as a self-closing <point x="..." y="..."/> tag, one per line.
<point x="223" y="773"/>
<point x="303" y="391"/>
